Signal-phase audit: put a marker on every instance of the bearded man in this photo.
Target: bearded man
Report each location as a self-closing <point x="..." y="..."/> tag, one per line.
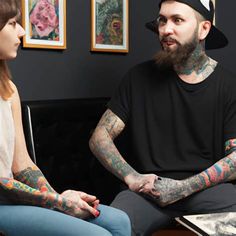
<point x="181" y="112"/>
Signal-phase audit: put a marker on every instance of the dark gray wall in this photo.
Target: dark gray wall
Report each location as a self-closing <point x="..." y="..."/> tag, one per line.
<point x="78" y="73"/>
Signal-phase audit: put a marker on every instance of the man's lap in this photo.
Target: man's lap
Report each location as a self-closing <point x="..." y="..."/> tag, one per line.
<point x="219" y="198"/>
<point x="146" y="216"/>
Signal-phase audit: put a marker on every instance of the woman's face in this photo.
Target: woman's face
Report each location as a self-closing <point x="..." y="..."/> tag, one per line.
<point x="10" y="39"/>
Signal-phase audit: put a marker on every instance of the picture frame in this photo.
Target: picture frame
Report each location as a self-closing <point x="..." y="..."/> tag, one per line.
<point x="110" y="26"/>
<point x="44" y="22"/>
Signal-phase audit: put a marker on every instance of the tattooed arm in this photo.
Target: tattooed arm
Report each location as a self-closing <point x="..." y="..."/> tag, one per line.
<point x="20" y="193"/>
<point x="33" y="177"/>
<point x="222" y="171"/>
<point x="23" y="168"/>
<point x="30" y="186"/>
<point x="103" y="147"/>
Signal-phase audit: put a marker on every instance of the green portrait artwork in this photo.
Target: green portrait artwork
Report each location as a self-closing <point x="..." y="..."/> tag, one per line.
<point x="109" y="22"/>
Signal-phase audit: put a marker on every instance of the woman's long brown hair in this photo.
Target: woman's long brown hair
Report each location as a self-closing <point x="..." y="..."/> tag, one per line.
<point x="8" y="10"/>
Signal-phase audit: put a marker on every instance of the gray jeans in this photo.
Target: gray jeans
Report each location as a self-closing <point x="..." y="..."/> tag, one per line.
<point x="147" y="217"/>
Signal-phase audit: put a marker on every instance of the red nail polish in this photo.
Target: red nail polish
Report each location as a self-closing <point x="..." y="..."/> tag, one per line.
<point x="97" y="213"/>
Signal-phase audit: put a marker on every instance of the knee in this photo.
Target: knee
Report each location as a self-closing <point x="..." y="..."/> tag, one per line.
<point x="117" y="221"/>
<point x="103" y="233"/>
<point x="122" y="221"/>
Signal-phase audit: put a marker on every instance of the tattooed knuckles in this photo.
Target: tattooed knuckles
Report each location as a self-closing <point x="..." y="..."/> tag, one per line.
<point x="170" y="191"/>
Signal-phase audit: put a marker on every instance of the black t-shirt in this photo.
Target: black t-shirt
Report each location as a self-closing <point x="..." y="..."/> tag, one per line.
<point x="177" y="129"/>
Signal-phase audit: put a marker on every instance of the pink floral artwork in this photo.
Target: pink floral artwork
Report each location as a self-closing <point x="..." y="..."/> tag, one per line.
<point x="44" y="20"/>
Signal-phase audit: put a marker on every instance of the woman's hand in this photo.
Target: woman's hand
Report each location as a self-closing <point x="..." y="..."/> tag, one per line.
<point x="82" y="205"/>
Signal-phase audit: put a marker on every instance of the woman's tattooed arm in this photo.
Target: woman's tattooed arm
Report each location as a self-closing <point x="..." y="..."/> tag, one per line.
<point x="34" y="178"/>
<point x="19" y="193"/>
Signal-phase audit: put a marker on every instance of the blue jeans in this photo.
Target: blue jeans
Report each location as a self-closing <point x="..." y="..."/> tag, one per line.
<point x="18" y="220"/>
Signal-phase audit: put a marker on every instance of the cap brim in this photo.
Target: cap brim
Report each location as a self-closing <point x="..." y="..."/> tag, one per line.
<point x="215" y="39"/>
<point x="152" y="25"/>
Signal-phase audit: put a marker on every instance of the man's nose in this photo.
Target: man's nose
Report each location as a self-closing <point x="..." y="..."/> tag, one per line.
<point x="167" y="29"/>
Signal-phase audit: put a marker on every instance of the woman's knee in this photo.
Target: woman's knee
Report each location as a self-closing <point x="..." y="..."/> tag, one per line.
<point x="116" y="221"/>
<point x="124" y="221"/>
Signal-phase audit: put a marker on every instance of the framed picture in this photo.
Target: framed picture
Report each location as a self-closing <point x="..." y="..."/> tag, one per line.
<point x="109" y="26"/>
<point x="45" y="23"/>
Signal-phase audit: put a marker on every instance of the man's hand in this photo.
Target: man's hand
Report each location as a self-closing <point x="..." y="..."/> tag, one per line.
<point x="174" y="190"/>
<point x="144" y="182"/>
<point x="167" y="191"/>
<point x="82" y="205"/>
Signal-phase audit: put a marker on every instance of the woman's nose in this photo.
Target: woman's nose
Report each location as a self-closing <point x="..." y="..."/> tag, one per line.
<point x="20" y="31"/>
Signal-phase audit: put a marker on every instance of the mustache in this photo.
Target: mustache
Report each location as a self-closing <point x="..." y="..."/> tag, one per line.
<point x="169" y="39"/>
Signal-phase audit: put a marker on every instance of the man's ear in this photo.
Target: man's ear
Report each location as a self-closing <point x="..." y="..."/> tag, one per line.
<point x="204" y="28"/>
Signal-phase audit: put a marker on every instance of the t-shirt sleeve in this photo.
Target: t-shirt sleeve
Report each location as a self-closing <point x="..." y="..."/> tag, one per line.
<point x="120" y="101"/>
<point x="230" y="113"/>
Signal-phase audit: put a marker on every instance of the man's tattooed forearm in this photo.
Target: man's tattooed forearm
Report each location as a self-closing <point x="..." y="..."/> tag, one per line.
<point x="110" y="157"/>
<point x="222" y="171"/>
<point x="174" y="190"/>
<point x="103" y="147"/>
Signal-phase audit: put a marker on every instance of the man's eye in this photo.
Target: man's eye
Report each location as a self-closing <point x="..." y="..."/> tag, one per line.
<point x="178" y="20"/>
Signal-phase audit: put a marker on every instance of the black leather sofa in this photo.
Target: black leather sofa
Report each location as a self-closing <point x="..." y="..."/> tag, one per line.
<point x="57" y="133"/>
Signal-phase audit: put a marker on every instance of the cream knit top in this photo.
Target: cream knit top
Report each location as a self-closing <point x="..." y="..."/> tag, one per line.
<point x="7" y="139"/>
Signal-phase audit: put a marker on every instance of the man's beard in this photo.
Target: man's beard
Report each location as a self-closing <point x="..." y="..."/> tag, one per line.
<point x="178" y="57"/>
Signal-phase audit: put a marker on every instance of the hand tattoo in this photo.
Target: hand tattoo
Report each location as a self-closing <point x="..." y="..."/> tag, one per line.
<point x="170" y="190"/>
